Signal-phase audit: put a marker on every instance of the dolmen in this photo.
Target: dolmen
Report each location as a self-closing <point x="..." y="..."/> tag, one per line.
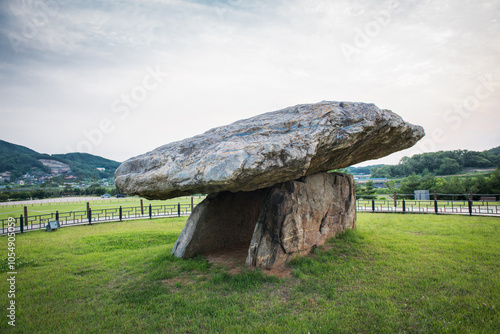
<point x="268" y="178"/>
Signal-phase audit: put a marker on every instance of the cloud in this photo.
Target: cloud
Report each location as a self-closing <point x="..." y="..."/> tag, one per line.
<point x="231" y="59"/>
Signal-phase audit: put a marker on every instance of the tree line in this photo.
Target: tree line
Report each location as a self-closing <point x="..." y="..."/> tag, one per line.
<point x="452" y="185"/>
<point x="439" y="163"/>
<point x="442" y="185"/>
<point x="94" y="190"/>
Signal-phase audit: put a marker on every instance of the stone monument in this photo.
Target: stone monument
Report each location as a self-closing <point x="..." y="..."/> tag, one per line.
<point x="267" y="177"/>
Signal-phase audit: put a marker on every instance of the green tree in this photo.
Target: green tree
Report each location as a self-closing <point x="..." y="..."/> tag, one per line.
<point x="449" y="166"/>
<point x="494" y="182"/>
<point x="410" y="184"/>
<point x="368" y="191"/>
<point x="452" y="185"/>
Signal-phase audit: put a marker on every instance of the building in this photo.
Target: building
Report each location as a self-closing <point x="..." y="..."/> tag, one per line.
<point x="378" y="182"/>
<point x="5" y="177"/>
<point x="421" y="195"/>
<point x="56" y="167"/>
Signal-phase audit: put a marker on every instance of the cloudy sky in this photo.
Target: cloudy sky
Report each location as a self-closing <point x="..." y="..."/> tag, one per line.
<point x="119" y="78"/>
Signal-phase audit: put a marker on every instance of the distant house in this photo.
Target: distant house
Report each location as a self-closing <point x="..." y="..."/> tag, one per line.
<point x="101" y="169"/>
<point x="5" y="177"/>
<point x="378" y="182"/>
<point x="373" y="179"/>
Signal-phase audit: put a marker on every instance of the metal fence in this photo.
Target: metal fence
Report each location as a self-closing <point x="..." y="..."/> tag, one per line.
<point x="25" y="223"/>
<point x="91" y="216"/>
<point x="429" y="206"/>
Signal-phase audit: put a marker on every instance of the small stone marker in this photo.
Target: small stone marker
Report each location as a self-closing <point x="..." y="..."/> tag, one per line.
<point x="52" y="226"/>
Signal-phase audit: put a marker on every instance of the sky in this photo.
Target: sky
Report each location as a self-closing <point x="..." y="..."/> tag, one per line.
<point x="120" y="78"/>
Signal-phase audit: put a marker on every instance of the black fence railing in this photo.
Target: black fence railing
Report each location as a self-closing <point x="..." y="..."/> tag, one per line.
<point x="464" y="207"/>
<point x="25" y="223"/>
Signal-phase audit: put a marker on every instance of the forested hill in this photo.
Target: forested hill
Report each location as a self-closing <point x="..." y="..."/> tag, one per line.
<point x="440" y="163"/>
<point x="87" y="164"/>
<point x="20" y="160"/>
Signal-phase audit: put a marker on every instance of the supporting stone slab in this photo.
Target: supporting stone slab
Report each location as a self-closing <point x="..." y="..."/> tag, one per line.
<point x="221" y="221"/>
<point x="275" y="223"/>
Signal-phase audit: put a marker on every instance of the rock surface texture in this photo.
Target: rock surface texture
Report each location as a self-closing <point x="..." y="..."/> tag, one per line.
<point x="274" y="224"/>
<point x="271" y="148"/>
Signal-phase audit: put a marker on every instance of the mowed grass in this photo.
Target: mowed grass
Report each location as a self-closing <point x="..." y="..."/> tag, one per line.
<point x="394" y="274"/>
<point x="46" y="208"/>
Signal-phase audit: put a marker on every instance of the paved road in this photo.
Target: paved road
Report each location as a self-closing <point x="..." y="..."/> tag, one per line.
<point x="55" y="200"/>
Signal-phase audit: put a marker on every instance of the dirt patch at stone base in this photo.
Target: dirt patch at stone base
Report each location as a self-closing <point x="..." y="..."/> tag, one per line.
<point x="234" y="259"/>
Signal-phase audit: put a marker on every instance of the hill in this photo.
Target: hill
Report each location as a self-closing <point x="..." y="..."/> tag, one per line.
<point x="20" y="160"/>
<point x="87" y="164"/>
<point x="494" y="151"/>
<point x="440" y="163"/>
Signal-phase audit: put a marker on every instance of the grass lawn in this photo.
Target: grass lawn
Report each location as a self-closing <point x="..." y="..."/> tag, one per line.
<point x="394" y="274"/>
<point x="47" y="208"/>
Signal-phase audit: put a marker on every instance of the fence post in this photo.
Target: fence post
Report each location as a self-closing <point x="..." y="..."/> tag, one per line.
<point x="470" y="196"/>
<point x="179" y="209"/>
<point x="470" y="207"/>
<point x="436" y="206"/>
<point x="89" y="215"/>
<point x="373" y="205"/>
<point x="404" y="206"/>
<point x="395" y="200"/>
<point x="120" y="211"/>
<point x="142" y="208"/>
<point x="21" y="223"/>
<point x="57" y="215"/>
<point x="150" y="212"/>
<point x="192" y="204"/>
<point x="26" y="216"/>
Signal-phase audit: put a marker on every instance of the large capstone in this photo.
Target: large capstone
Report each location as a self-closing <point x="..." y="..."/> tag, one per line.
<point x="275" y="224"/>
<point x="271" y="148"/>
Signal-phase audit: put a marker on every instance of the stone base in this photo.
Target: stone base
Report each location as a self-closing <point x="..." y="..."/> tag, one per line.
<point x="275" y="223"/>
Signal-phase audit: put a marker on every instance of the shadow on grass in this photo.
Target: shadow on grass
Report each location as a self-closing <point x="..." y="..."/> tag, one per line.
<point x="337" y="259"/>
<point x="166" y="272"/>
<point x="123" y="241"/>
<point x="344" y="247"/>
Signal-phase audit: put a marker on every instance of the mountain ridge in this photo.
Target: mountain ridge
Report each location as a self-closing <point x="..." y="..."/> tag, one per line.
<point x="19" y="160"/>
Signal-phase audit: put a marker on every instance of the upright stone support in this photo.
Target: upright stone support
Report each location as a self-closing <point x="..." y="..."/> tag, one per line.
<point x="299" y="215"/>
<point x="274" y="224"/>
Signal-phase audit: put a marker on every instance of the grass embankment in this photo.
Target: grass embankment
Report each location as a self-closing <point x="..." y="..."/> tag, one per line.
<point x="395" y="273"/>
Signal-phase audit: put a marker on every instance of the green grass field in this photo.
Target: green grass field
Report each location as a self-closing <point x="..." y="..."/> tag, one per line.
<point x="393" y="274"/>
<point x="40" y="209"/>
